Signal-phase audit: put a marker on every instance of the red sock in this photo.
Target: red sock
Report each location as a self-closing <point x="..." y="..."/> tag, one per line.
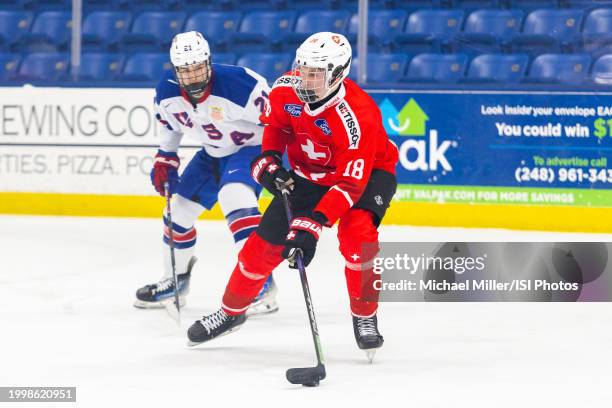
<point x="362" y="295"/>
<point x="358" y="238"/>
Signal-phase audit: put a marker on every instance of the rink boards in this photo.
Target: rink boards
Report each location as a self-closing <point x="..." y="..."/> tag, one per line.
<point x="473" y="159"/>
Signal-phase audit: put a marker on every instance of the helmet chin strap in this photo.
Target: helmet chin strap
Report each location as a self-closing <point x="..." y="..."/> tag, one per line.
<point x="325" y="99"/>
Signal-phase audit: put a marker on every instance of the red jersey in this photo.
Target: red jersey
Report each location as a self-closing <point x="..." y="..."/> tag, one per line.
<point x="336" y="145"/>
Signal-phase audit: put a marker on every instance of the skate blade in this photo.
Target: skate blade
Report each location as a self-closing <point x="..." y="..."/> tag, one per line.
<point x="262" y="309"/>
<point x="141" y="304"/>
<point x="370" y="355"/>
<point x="197" y="343"/>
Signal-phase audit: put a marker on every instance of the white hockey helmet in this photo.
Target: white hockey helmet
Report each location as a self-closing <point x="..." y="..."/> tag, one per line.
<point x="322" y="62"/>
<point x="190" y="56"/>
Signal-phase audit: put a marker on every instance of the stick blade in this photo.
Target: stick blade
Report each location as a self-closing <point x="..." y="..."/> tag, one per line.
<point x="306" y="376"/>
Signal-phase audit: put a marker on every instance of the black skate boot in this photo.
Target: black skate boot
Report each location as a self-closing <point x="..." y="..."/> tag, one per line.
<point x="154" y="296"/>
<point x="214" y="325"/>
<point x="367" y="335"/>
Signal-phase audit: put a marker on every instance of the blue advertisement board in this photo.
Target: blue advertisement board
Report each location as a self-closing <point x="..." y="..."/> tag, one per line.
<point x="502" y="146"/>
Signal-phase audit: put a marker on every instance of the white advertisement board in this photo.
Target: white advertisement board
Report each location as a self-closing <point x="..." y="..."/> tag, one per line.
<point x="78" y="140"/>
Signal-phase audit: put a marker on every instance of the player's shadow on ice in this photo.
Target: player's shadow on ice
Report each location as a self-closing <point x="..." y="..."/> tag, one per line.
<point x="253" y="354"/>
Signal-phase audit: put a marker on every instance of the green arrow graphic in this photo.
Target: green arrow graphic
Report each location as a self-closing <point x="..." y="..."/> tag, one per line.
<point x="414" y="117"/>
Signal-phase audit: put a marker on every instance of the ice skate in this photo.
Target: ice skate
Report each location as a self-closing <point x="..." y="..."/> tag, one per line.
<point x="154" y="296"/>
<point x="367" y="336"/>
<point x="214" y="325"/>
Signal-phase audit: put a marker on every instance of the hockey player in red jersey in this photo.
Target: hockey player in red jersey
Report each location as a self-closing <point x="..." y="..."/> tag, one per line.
<point x="342" y="169"/>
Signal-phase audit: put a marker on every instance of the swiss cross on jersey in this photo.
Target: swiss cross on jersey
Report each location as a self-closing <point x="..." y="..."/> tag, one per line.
<point x="316" y="151"/>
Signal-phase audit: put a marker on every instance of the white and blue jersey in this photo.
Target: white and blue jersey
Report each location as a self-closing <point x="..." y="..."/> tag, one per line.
<point x="225" y="121"/>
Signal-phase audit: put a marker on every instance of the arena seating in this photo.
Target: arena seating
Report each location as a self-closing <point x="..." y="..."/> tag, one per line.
<point x="508" y="68"/>
<point x="416" y="41"/>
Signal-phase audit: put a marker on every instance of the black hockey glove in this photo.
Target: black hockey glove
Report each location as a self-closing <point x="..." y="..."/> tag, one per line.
<point x="303" y="236"/>
<point x="267" y="169"/>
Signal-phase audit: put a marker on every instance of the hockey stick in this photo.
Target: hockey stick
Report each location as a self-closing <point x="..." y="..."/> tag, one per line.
<point x="173" y="308"/>
<point x="307" y="376"/>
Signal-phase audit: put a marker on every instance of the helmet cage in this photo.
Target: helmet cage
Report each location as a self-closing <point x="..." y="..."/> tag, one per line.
<point x="315" y="83"/>
<point x="194" y="78"/>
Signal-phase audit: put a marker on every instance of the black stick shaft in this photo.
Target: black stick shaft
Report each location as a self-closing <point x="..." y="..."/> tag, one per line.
<point x="305" y="288"/>
<point x="171" y="245"/>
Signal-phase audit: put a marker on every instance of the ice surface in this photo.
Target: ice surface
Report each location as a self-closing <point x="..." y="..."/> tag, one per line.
<point x="66" y="319"/>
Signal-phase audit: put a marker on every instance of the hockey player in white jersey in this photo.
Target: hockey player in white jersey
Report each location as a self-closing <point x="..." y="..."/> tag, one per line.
<point x="219" y="106"/>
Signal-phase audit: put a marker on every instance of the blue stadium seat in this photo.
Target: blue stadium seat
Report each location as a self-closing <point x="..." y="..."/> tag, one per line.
<point x="302" y="5"/>
<point x="9" y="64"/>
<point x="44" y="66"/>
<point x="50" y="31"/>
<point x="100" y="66"/>
<point x="227" y="58"/>
<point x="143" y="5"/>
<point x="471" y="5"/>
<point x="263" y="31"/>
<point x="102" y="29"/>
<point x="602" y="70"/>
<point x="353" y="5"/>
<point x="549" y="31"/>
<point x="382" y="68"/>
<point x="13" y="25"/>
<point x="501" y="68"/>
<point x="314" y="21"/>
<point x="102" y="5"/>
<point x="585" y="4"/>
<point x="216" y="26"/>
<point x="47" y="5"/>
<point x="411" y="5"/>
<point x="597" y="32"/>
<point x="486" y="31"/>
<point x="172" y="4"/>
<point x="270" y="66"/>
<point x="146" y="66"/>
<point x="447" y="68"/>
<point x="153" y="30"/>
<point x="20" y="5"/>
<point x="383" y="26"/>
<point x="259" y="5"/>
<point x="598" y="21"/>
<point x="429" y="30"/>
<point x="530" y="4"/>
<point x="149" y="5"/>
<point x="560" y="68"/>
<point x="322" y="20"/>
<point x="202" y="4"/>
<point x="442" y="23"/>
